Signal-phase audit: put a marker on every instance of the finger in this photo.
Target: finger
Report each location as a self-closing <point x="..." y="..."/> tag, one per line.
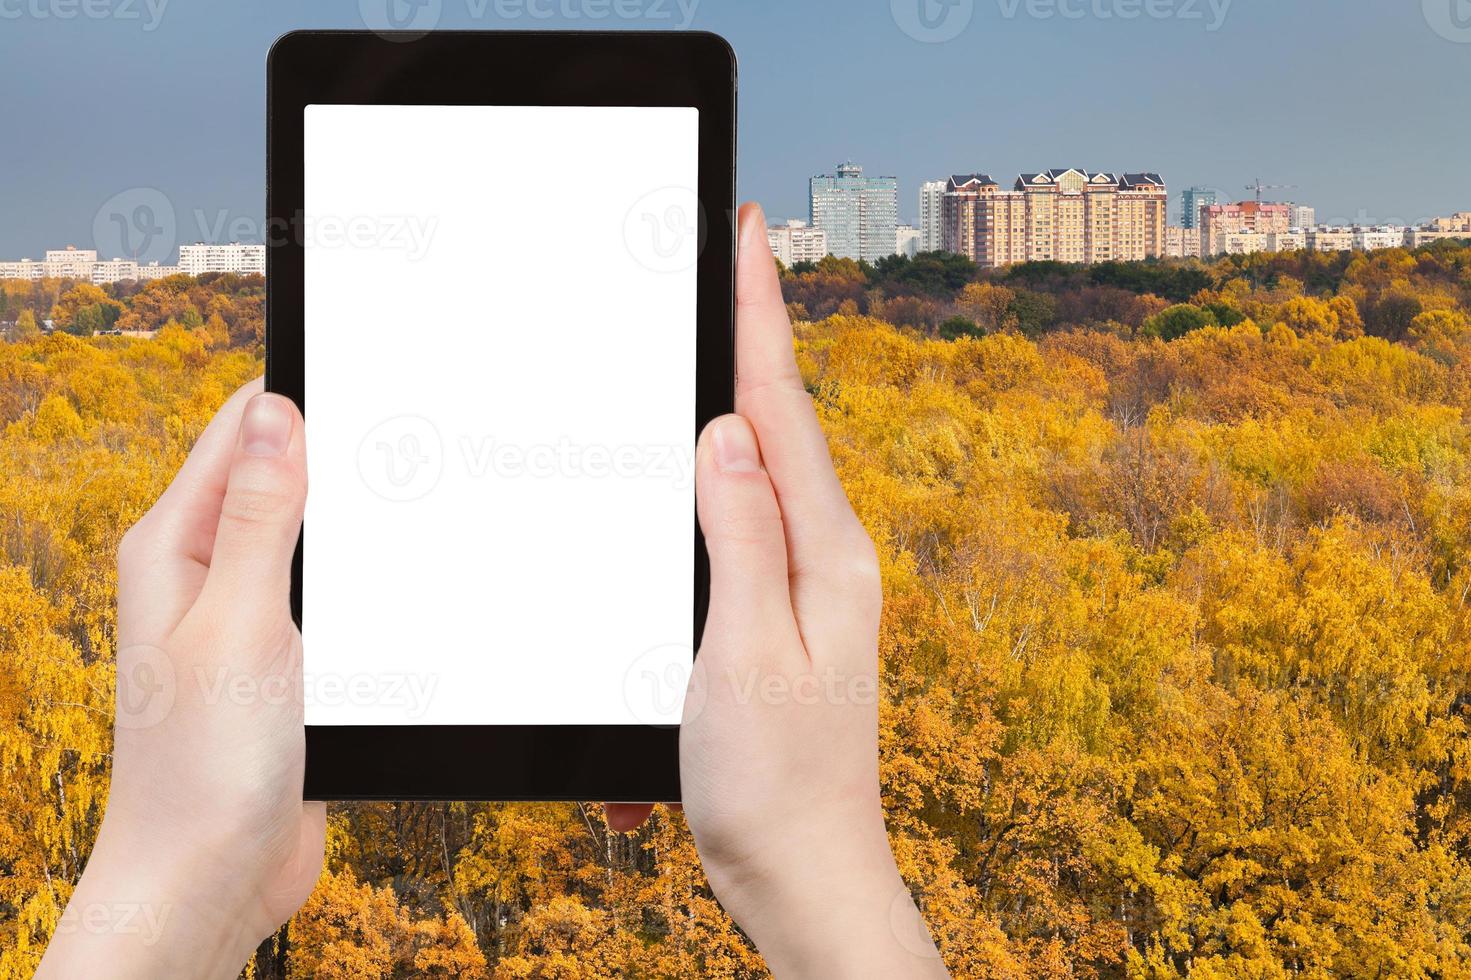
<point x="260" y="515"/>
<point x="749" y="596"/>
<point x="191" y="503"/>
<point x="830" y="553"/>
<point x="623" y="817"/>
<point x="163" y="559"/>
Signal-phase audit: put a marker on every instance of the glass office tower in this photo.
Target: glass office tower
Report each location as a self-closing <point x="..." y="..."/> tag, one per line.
<point x="1192" y="199"/>
<point x="859" y="214"/>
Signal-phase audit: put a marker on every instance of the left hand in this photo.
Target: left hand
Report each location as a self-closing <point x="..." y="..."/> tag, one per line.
<point x="207" y="846"/>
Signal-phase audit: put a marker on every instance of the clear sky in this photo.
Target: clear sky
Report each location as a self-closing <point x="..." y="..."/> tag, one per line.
<point x="1364" y="105"/>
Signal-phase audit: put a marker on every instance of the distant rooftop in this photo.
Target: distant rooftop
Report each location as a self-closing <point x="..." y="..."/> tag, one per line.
<point x="957" y="181"/>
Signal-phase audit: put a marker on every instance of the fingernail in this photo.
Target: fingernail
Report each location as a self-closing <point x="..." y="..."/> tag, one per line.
<point x="735" y="447"/>
<point x="266" y="428"/>
<point x="754" y="232"/>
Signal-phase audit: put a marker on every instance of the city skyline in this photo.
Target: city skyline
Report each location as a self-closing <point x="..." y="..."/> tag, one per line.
<point x="1113" y="217"/>
<point x="1074" y="215"/>
<point x="88" y="265"/>
<point x="1209" y="101"/>
<point x="911" y="208"/>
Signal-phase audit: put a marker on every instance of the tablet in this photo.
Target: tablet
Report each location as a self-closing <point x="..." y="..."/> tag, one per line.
<point x="499" y="286"/>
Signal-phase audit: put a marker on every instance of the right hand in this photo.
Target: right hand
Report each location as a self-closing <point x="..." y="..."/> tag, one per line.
<point x="779" y="743"/>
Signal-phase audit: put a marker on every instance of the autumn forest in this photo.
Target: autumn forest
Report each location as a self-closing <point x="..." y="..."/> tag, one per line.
<point x="1176" y="649"/>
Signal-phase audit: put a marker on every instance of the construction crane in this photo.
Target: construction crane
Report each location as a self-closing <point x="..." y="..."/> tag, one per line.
<point x="1258" y="186"/>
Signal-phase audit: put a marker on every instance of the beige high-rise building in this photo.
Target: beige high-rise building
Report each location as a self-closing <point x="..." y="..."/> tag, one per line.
<point x="1062" y="215"/>
<point x="982" y="222"/>
<point x="1140" y="223"/>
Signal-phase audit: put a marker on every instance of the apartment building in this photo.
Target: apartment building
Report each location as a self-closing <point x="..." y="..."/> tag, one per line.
<point x="1460" y="221"/>
<point x="23" y="269"/>
<point x="1220" y="220"/>
<point x="1244" y="242"/>
<point x="1139" y="224"/>
<point x="153" y="270"/>
<point x="1328" y="239"/>
<point x="982" y="222"/>
<point x="1182" y="243"/>
<point x="931" y="219"/>
<point x="796" y="241"/>
<point x="1068" y="215"/>
<point x="1293" y="240"/>
<point x="83" y="264"/>
<point x="70" y="262"/>
<point x="60" y="263"/>
<point x="1457" y="226"/>
<point x="1383" y="236"/>
<point x="858" y="213"/>
<point x="1415" y="237"/>
<point x="113" y="270"/>
<point x="1325" y="239"/>
<point x="197" y="259"/>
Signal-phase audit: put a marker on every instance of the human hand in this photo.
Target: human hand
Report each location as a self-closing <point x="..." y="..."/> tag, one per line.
<point x="779" y="743"/>
<point x="206" y="847"/>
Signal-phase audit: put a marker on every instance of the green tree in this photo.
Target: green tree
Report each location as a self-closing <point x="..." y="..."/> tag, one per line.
<point x="959" y="326"/>
<point x="1177" y="321"/>
<point x="930" y="273"/>
<point x="1034" y="313"/>
<point x="25" y="327"/>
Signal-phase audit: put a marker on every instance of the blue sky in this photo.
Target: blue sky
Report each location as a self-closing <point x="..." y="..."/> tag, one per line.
<point x="1360" y="103"/>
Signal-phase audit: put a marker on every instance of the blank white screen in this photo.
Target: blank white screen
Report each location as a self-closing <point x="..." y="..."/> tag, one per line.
<point x="499" y="371"/>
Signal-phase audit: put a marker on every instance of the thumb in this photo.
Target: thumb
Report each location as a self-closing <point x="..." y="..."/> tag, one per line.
<point x="743" y="533"/>
<point x="260" y="514"/>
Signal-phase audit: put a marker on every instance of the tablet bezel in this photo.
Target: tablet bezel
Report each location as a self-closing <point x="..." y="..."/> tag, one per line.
<point x="627" y="763"/>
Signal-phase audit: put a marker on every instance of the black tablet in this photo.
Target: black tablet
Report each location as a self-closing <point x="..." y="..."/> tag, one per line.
<point x="499" y="285"/>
